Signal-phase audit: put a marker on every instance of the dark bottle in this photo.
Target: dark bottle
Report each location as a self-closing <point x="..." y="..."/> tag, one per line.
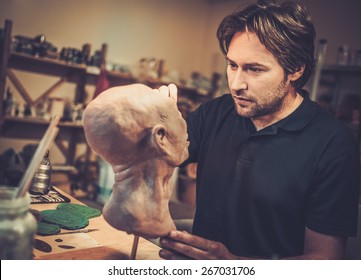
<point x="8" y="103"/>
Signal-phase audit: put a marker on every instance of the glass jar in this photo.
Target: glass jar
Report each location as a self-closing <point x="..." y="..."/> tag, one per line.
<point x="17" y="226"/>
<point x="358" y="58"/>
<point x="343" y="55"/>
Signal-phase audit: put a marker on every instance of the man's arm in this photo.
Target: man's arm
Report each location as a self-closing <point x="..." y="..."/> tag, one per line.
<point x="317" y="246"/>
<point x="321" y="246"/>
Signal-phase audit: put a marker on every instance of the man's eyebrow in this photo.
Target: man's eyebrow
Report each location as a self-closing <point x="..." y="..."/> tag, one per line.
<point x="252" y="64"/>
<point x="228" y="59"/>
<point x="255" y="64"/>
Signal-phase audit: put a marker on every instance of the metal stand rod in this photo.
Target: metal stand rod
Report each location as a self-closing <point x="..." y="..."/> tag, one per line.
<point x="134" y="247"/>
<point x="319" y="63"/>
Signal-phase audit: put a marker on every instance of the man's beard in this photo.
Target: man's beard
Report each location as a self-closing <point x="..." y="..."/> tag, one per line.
<point x="272" y="106"/>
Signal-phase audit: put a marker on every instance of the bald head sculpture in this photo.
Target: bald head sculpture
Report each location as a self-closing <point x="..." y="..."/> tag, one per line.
<point x="142" y="135"/>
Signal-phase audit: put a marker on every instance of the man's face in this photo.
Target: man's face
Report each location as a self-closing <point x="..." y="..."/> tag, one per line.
<point x="256" y="80"/>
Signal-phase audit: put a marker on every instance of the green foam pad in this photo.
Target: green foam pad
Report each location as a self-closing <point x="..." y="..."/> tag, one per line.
<point x="47" y="229"/>
<point x="86" y="211"/>
<point x="65" y="219"/>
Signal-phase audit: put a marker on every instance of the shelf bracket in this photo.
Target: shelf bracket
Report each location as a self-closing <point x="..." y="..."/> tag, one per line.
<point x="19" y="86"/>
<point x="50" y="90"/>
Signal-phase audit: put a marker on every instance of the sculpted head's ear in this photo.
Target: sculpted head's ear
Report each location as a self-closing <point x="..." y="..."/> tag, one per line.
<point x="159" y="139"/>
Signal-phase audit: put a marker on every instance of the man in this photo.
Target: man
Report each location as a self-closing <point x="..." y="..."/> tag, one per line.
<point x="277" y="177"/>
<point x="143" y="136"/>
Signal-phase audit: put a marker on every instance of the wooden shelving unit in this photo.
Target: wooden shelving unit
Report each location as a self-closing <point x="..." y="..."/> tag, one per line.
<point x="331" y="75"/>
<point x="33" y="128"/>
<point x="336" y="73"/>
<point x="71" y="134"/>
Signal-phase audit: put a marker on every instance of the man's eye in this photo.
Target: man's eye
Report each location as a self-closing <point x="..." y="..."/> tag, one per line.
<point x="233" y="66"/>
<point x="254" y="69"/>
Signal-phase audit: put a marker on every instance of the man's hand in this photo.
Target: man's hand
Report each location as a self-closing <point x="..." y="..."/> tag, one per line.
<point x="194" y="247"/>
<point x="317" y="246"/>
<point x="170" y="91"/>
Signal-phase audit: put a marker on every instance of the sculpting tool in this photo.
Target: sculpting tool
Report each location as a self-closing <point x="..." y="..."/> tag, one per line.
<point x="77" y="231"/>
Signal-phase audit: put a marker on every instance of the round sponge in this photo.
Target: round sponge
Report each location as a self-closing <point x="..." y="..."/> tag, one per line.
<point x="47" y="229"/>
<point x="84" y="210"/>
<point x="65" y="219"/>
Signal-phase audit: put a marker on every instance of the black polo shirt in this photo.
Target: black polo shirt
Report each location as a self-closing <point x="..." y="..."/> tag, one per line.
<point x="257" y="190"/>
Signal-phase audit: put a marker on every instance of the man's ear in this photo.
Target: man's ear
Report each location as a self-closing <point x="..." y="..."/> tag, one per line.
<point x="159" y="138"/>
<point x="297" y="74"/>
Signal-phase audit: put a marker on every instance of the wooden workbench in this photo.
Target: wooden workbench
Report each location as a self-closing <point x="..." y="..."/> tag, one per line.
<point x="106" y="243"/>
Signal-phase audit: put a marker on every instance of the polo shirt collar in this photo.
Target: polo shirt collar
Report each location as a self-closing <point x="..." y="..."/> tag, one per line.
<point x="297" y="120"/>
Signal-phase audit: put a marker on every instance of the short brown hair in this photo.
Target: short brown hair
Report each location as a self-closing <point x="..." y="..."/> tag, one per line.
<point x="285" y="29"/>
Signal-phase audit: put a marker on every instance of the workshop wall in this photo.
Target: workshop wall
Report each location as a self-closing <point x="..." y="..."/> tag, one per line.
<point x="337" y="21"/>
<point x="181" y="32"/>
<point x="169" y="30"/>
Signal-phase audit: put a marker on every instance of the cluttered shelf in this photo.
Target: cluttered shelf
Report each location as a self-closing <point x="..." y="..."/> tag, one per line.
<point x="83" y="74"/>
<point x="18" y="127"/>
<point x="43" y="65"/>
<point x="75" y="72"/>
<point x="15" y="126"/>
<point x="115" y="78"/>
<point x="341" y="69"/>
<point x="72" y="71"/>
<point x="28" y="117"/>
<point x="41" y="121"/>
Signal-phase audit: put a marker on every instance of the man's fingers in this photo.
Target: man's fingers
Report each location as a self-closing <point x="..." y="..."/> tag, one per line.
<point x="166" y="255"/>
<point x="169" y="91"/>
<point x="184" y="249"/>
<point x="194" y="247"/>
<point x="164" y="91"/>
<point x="171" y="256"/>
<point x="173" y="91"/>
<point x="190" y="239"/>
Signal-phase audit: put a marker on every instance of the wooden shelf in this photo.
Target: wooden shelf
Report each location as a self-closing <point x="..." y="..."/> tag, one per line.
<point x="41" y="121"/>
<point x="341" y="69"/>
<point x="183" y="91"/>
<point x="115" y="78"/>
<point x="34" y="128"/>
<point x="55" y="67"/>
<point x="80" y="73"/>
<point x="46" y="66"/>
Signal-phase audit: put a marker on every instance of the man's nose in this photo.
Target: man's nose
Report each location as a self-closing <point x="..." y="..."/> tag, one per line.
<point x="239" y="81"/>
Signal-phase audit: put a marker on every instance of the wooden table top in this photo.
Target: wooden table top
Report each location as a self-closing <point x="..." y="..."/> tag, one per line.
<point x="105" y="243"/>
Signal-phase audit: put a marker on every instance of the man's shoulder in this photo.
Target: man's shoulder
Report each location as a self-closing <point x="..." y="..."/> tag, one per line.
<point x="330" y="123"/>
<point x="320" y="118"/>
<point x="334" y="131"/>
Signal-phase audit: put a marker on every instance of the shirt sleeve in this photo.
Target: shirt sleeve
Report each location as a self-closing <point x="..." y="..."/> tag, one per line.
<point x="334" y="196"/>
